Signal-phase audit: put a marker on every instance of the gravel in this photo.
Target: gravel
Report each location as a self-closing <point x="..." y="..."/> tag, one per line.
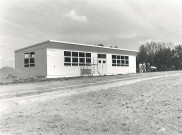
<point x="150" y="107"/>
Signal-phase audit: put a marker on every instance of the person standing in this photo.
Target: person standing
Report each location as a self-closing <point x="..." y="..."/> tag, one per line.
<point x="140" y="68"/>
<point x="144" y="67"/>
<point x="148" y="67"/>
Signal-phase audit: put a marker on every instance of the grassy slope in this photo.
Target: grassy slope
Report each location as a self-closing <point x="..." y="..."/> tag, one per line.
<point x="150" y="107"/>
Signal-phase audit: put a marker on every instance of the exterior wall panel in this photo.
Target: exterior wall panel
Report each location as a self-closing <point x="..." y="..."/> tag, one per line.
<point x="55" y="65"/>
<point x="40" y="68"/>
<point x="49" y="60"/>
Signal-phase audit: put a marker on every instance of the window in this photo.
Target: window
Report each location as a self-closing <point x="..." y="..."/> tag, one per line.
<point x="102" y="56"/>
<point x="88" y="59"/>
<point x="74" y="58"/>
<point x="66" y="53"/>
<point x="88" y="55"/>
<point x="75" y="54"/>
<point x="81" y="54"/>
<point x="82" y="61"/>
<point x="113" y="56"/>
<point x="29" y="59"/>
<point x="118" y="60"/>
<point x="67" y="58"/>
<point x="77" y="58"/>
<point x="104" y="61"/>
<point x="67" y="64"/>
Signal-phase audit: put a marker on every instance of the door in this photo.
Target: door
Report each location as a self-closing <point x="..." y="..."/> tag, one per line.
<point x="102" y="66"/>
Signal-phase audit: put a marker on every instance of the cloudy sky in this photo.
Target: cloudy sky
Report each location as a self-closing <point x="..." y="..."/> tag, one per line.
<point x="125" y="23"/>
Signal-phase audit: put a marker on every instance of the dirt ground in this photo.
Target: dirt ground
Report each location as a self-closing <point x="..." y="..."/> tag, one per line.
<point x="148" y="105"/>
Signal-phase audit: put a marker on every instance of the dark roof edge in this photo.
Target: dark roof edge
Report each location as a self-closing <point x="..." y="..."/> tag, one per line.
<point x="32" y="45"/>
<point x="55" y="41"/>
<point x="92" y="45"/>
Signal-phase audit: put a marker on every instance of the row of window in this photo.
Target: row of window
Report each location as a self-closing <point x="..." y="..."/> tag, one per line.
<point x="119" y="60"/>
<point x="120" y="57"/>
<point x="29" y="59"/>
<point x="76" y="54"/>
<point x="77" y="58"/>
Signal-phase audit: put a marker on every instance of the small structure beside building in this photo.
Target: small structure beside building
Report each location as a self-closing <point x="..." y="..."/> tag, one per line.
<point x="53" y="59"/>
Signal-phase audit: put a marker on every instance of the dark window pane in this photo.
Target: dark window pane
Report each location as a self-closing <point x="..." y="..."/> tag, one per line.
<point x="66" y="53"/>
<point x="126" y="57"/>
<point x="113" y="56"/>
<point x="99" y="56"/>
<point x="74" y="64"/>
<point x="118" y="56"/>
<point x="26" y="65"/>
<point x="26" y="55"/>
<point x="82" y="60"/>
<point x="67" y="64"/>
<point x="122" y="61"/>
<point x="26" y="61"/>
<point x="99" y="61"/>
<point x="113" y="61"/>
<point x="67" y="59"/>
<point x="88" y="54"/>
<point x="122" y="57"/>
<point x="75" y="54"/>
<point x="81" y="54"/>
<point x="74" y="59"/>
<point x="104" y="61"/>
<point x="88" y="60"/>
<point x="32" y="60"/>
<point x="118" y="61"/>
<point x="127" y="62"/>
<point x="103" y="55"/>
<point x="32" y="54"/>
<point x="81" y="64"/>
<point x="32" y="65"/>
<point x="113" y="64"/>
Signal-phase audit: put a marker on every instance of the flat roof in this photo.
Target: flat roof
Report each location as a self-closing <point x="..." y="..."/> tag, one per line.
<point x="79" y="44"/>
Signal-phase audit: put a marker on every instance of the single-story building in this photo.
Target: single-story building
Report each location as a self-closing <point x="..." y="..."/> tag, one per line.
<point x="53" y="59"/>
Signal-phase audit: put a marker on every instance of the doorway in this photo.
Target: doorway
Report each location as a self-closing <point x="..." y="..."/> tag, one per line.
<point x="102" y="66"/>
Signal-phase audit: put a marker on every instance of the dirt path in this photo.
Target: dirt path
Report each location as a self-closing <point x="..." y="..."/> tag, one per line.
<point x="138" y="106"/>
<point x="18" y="88"/>
<point x="81" y="88"/>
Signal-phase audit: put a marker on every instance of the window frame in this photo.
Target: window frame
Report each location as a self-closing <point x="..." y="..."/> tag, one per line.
<point x="101" y="56"/>
<point x="83" y="58"/>
<point x="30" y="58"/>
<point x="120" y="60"/>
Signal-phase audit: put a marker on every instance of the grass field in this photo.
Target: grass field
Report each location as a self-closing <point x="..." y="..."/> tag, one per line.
<point x="139" y="107"/>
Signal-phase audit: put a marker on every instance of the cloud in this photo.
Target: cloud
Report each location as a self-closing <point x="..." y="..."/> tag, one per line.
<point x="72" y="15"/>
<point x="127" y="35"/>
<point x="9" y="59"/>
<point x="0" y="57"/>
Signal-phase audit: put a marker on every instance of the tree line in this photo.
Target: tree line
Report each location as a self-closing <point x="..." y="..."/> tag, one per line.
<point x="161" y="55"/>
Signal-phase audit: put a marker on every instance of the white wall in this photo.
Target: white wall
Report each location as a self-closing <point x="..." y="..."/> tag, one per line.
<point x="56" y="68"/>
<point x="121" y="69"/>
<point x="40" y="68"/>
<point x="55" y="65"/>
